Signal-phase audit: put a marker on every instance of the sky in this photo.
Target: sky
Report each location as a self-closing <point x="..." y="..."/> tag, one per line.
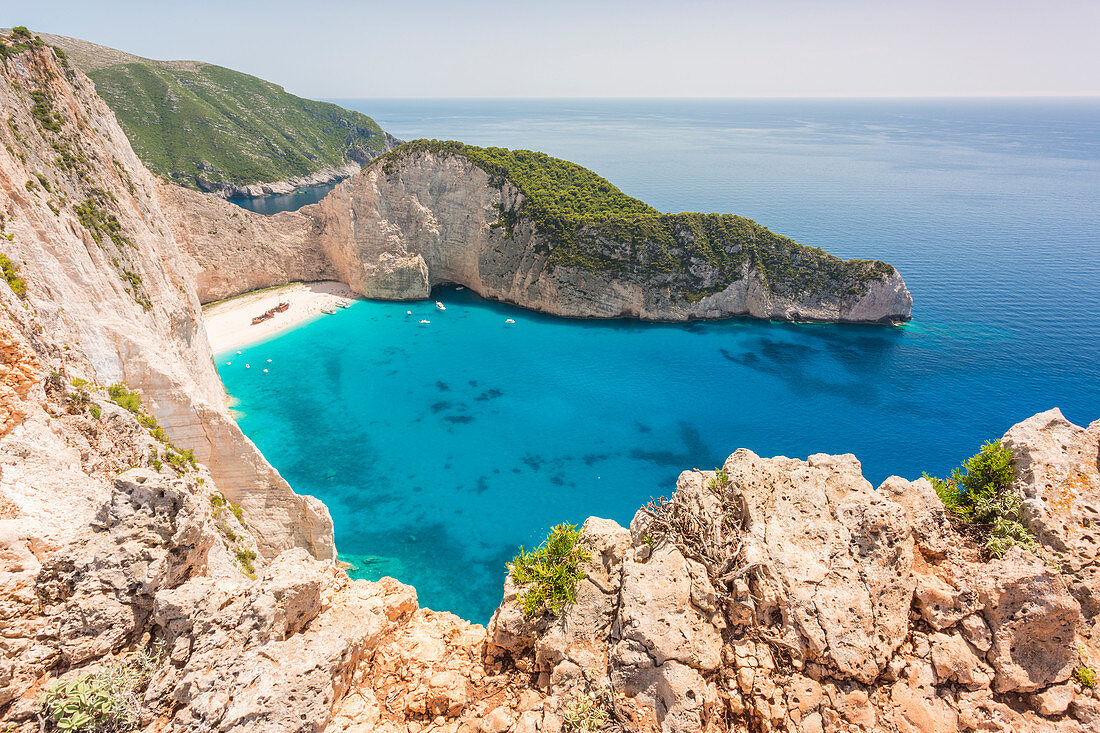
<point x="610" y="48"/>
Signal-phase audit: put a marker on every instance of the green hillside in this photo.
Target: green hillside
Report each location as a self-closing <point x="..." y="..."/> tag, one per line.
<point x="595" y="226"/>
<point x="202" y="125"/>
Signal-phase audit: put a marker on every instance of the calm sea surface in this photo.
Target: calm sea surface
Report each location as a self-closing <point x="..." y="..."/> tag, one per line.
<point x="284" y="202"/>
<point x="439" y="449"/>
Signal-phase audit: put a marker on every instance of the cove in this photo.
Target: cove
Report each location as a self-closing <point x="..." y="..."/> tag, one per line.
<point x="440" y="449"/>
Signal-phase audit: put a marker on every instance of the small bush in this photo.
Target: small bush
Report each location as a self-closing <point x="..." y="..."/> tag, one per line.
<point x="1086" y="676"/>
<point x="551" y="572"/>
<point x="95" y="410"/>
<point x="126" y="398"/>
<point x="11" y="275"/>
<point x="721" y="478"/>
<point x="979" y="493"/>
<point x="246" y="559"/>
<point x="588" y="713"/>
<point x="107" y="700"/>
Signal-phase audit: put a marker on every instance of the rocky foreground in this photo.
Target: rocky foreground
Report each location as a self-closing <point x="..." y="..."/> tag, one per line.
<point x="135" y="517"/>
<point x="789" y="595"/>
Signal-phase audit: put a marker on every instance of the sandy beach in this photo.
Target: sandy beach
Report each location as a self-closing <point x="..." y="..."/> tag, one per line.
<point x="229" y="322"/>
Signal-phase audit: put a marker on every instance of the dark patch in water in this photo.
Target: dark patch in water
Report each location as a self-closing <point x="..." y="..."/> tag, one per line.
<point x="491" y="394"/>
<point x="534" y="462"/>
<point x="472" y="383"/>
<point x="443" y="386"/>
<point x="557" y="479"/>
<point x="496" y="470"/>
<point x="642" y="427"/>
<point x="418" y="489"/>
<point x="515" y="470"/>
<point x="695" y="450"/>
<point x="797" y="366"/>
<point x="591" y="458"/>
<point x="441" y="406"/>
<point x="459" y="419"/>
<point x="482" y="484"/>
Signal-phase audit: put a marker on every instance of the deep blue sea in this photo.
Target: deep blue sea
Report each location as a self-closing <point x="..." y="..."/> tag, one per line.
<point x="439" y="449"/>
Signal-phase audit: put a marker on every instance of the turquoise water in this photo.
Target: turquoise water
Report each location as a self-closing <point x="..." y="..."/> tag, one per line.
<point x="441" y="448"/>
<point x="284" y="202"/>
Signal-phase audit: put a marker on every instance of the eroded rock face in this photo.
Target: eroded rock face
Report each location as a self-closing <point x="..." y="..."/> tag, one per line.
<point x="108" y="292"/>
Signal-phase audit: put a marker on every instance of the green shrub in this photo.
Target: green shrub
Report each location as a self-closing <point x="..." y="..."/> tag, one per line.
<point x="43" y="111"/>
<point x="108" y="700"/>
<point x="246" y="558"/>
<point x="95" y="410"/>
<point x="1086" y="676"/>
<point x="979" y="494"/>
<point x="721" y="478"/>
<point x="126" y="398"/>
<point x="11" y="275"/>
<point x="588" y="713"/>
<point x="551" y="572"/>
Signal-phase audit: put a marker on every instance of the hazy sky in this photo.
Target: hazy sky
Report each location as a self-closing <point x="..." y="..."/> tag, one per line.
<point x="631" y="48"/>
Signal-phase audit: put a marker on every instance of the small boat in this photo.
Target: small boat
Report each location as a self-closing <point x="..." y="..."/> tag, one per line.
<point x="261" y="318"/>
<point x="247" y="366"/>
<point x="281" y="307"/>
<point x="460" y="287"/>
<point x="424" y="322"/>
<point x="265" y="371"/>
<point x="510" y="320"/>
<point x="440" y="306"/>
<point x="328" y="311"/>
<point x="342" y="303"/>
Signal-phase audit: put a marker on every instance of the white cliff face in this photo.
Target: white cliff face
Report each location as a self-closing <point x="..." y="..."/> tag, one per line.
<point x="113" y="292"/>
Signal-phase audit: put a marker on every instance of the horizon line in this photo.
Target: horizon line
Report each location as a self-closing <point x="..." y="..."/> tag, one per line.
<point x="1034" y="95"/>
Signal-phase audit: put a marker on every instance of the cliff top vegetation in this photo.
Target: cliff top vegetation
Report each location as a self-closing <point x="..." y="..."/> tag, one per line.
<point x="593" y="225"/>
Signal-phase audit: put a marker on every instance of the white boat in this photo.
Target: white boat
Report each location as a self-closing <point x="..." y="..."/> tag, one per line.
<point x="440" y="306"/>
<point x="408" y="313"/>
<point x="424" y="322"/>
<point x="460" y="288"/>
<point x="510" y="320"/>
<point x="343" y="303"/>
<point x="328" y="311"/>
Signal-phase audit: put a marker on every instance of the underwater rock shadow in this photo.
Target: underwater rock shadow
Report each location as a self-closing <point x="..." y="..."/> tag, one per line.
<point x="792" y="364"/>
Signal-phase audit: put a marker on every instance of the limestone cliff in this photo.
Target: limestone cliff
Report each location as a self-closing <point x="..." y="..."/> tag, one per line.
<point x="107" y="293"/>
<point x="408" y="223"/>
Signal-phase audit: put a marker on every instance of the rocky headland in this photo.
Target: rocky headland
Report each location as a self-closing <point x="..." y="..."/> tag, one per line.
<point x="146" y="542"/>
<point x="429" y="214"/>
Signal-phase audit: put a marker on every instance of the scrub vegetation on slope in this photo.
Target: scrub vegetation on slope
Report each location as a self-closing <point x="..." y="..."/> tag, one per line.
<point x="203" y="126"/>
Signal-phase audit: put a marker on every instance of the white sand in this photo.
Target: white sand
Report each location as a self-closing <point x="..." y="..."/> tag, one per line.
<point x="229" y="322"/>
